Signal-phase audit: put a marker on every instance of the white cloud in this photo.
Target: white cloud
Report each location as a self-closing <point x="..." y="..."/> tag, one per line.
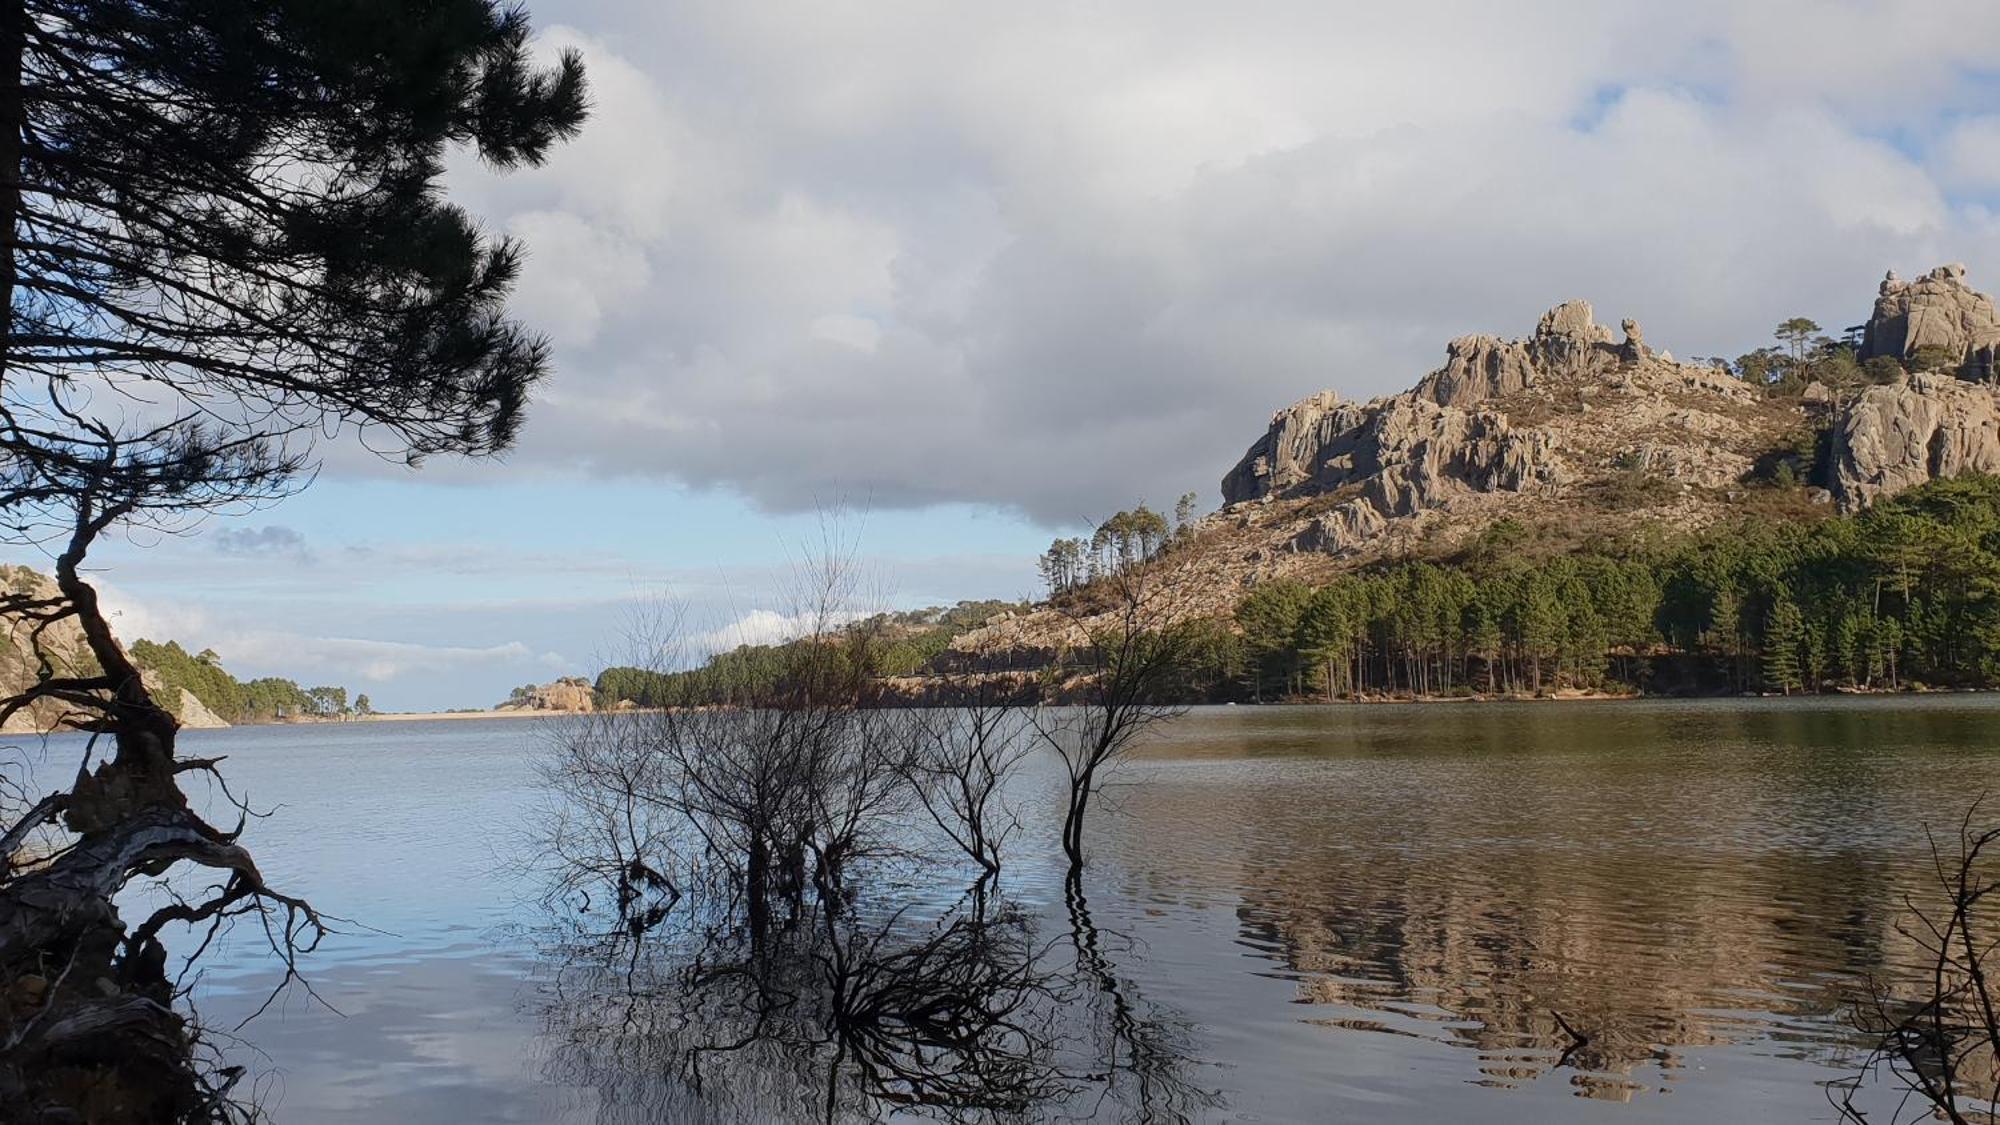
<point x="340" y="659"/>
<point x="575" y="271"/>
<point x="1972" y="153"/>
<point x="766" y="627"/>
<point x="250" y="652"/>
<point x="1063" y="257"/>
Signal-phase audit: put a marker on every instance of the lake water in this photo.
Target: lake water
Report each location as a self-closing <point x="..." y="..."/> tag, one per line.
<point x="1353" y="913"/>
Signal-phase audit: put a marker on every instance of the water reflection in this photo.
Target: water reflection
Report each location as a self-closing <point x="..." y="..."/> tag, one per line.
<point x="1667" y="880"/>
<point x="971" y="1015"/>
<point x="1368" y="914"/>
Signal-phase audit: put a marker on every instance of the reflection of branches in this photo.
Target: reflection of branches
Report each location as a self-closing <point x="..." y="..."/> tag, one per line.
<point x="833" y="1022"/>
<point x="769" y="959"/>
<point x="1146" y="1052"/>
<point x="1943" y="1045"/>
<point x="963" y="1015"/>
<point x="955" y="1020"/>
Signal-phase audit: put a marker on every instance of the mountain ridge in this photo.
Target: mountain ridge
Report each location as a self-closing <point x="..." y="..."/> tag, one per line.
<point x="1585" y="433"/>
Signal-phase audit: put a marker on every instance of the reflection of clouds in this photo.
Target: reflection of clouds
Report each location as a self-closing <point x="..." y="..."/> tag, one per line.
<point x="423" y="1038"/>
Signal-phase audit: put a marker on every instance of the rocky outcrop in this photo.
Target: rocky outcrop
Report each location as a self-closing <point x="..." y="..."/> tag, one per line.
<point x="571" y="694"/>
<point x="68" y="654"/>
<point x="1567" y="341"/>
<point x="62" y="643"/>
<point x="1895" y="437"/>
<point x="1478" y="368"/>
<point x="1404" y="453"/>
<point x="1567" y="413"/>
<point x="1455" y="434"/>
<point x="1287" y="455"/>
<point x="1577" y="436"/>
<point x="186" y="706"/>
<point x="1938" y="310"/>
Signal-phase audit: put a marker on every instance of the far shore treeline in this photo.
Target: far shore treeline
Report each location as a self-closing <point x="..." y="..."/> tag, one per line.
<point x="266" y="700"/>
<point x="1904" y="595"/>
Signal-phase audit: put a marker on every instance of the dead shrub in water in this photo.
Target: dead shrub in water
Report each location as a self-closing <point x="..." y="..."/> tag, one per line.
<point x="1938" y="1035"/>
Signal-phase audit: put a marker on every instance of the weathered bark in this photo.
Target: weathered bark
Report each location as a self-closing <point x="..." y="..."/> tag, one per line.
<point x="88" y="1030"/>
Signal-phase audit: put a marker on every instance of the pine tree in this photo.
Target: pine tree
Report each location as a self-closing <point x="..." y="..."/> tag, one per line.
<point x="225" y="234"/>
<point x="1784" y="639"/>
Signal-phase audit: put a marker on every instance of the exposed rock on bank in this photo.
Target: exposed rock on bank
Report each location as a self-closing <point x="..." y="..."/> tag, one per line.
<point x="571" y="694"/>
<point x="1896" y="437"/>
<point x="62" y="644"/>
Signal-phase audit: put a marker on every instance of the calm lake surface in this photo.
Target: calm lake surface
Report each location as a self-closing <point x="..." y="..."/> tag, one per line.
<point x="1354" y="913"/>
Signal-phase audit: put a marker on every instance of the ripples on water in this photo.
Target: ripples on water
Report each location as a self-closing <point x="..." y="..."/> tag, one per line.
<point x="1364" y="913"/>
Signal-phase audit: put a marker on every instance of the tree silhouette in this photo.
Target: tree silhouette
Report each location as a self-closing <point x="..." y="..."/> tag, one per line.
<point x="224" y="236"/>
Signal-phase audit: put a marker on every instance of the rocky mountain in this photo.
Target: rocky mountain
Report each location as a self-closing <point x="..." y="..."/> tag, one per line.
<point x="1578" y="431"/>
<point x="1577" y="418"/>
<point x="64" y="646"/>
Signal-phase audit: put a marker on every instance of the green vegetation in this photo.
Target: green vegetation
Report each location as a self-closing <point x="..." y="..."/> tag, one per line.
<point x="886" y="644"/>
<point x="264" y="700"/>
<point x="1803" y="356"/>
<point x="1907" y="592"/>
<point x="1120" y="543"/>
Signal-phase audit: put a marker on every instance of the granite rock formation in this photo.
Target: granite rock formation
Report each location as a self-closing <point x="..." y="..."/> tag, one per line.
<point x="68" y="654"/>
<point x="1938" y="310"/>
<point x="1455" y="434"/>
<point x="1895" y="437"/>
<point x="570" y="694"/>
<point x="1574" y="434"/>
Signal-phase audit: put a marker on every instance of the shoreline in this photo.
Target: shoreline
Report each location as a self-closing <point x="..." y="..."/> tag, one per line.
<point x="438" y="716"/>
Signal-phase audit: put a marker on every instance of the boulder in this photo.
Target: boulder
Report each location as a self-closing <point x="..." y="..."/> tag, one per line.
<point x="1346" y="527"/>
<point x="1569" y="341"/>
<point x="195" y="715"/>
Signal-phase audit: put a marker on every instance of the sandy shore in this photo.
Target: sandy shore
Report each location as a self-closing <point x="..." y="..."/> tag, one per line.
<point x="430" y="716"/>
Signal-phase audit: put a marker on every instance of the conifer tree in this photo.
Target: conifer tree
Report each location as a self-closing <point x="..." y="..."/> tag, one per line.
<point x="1784" y="639"/>
<point x="224" y="235"/>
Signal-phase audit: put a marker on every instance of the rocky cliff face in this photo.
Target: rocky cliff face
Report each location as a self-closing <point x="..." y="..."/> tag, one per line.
<point x="1529" y="417"/>
<point x="1571" y="413"/>
<point x="1578" y="431"/>
<point x="64" y="646"/>
<point x="1899" y="436"/>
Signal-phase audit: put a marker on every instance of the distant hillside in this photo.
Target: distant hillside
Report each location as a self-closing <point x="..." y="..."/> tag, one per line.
<point x="196" y="688"/>
<point x="899" y="645"/>
<point x="1578" y="435"/>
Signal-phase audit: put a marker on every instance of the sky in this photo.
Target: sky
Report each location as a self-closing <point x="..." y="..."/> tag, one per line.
<point x="976" y="275"/>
